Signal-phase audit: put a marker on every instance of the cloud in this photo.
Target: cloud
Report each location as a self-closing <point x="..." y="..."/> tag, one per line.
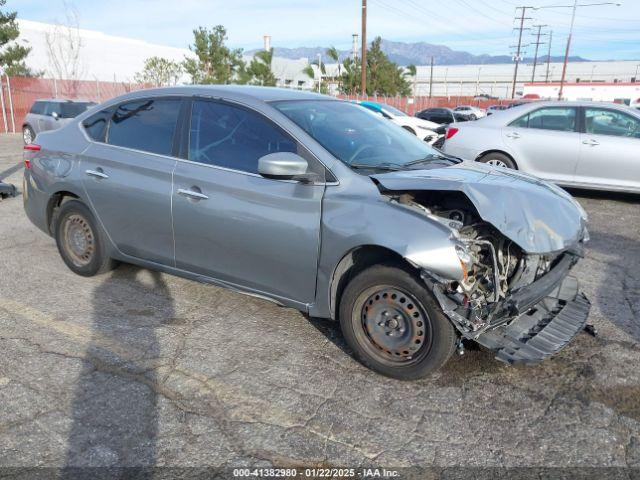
<point x="475" y="26"/>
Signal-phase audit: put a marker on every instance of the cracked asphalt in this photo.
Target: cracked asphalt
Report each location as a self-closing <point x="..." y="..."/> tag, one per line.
<point x="137" y="368"/>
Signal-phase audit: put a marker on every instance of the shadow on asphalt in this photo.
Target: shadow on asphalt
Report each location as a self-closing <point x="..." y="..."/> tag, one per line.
<point x="114" y="412"/>
<point x="602" y="195"/>
<point x="621" y="280"/>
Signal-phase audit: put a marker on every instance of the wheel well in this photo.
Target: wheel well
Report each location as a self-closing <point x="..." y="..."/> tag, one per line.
<point x="357" y="260"/>
<point x="56" y="200"/>
<point x="502" y="152"/>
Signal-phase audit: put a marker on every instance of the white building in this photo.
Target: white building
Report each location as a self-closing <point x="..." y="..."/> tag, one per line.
<point x="111" y="58"/>
<point x="621" y="92"/>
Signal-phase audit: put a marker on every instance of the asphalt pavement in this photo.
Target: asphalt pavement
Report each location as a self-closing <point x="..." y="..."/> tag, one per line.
<point x="137" y="368"/>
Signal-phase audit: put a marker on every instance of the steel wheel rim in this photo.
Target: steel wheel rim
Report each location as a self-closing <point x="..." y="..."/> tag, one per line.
<point x="26" y="136"/>
<point x="497" y="163"/>
<point x="395" y="328"/>
<point x="79" y="240"/>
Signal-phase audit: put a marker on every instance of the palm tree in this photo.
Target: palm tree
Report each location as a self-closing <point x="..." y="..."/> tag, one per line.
<point x="412" y="71"/>
<point x="333" y="54"/>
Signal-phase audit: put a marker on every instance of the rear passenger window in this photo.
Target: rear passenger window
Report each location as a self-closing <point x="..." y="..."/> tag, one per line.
<point x="96" y="125"/>
<point x="233" y="137"/>
<point x="555" y="118"/>
<point x="147" y="125"/>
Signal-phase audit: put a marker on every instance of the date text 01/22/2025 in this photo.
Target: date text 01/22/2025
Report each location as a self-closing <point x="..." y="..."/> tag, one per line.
<point x="316" y="473"/>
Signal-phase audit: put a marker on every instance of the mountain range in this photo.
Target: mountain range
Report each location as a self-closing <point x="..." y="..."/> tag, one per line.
<point x="418" y="53"/>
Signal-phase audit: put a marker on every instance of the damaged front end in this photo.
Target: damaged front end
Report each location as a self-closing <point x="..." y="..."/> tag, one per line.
<point x="521" y="305"/>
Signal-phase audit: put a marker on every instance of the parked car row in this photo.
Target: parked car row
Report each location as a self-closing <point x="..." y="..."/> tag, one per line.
<point x="423" y="129"/>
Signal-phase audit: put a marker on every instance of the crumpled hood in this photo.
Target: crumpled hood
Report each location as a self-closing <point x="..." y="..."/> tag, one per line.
<point x="536" y="215"/>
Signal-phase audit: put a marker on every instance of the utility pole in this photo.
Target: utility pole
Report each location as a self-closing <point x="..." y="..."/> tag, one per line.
<point x="535" y="55"/>
<point x="546" y="78"/>
<point x="566" y="52"/>
<point x="519" y="48"/>
<point x="363" y="55"/>
<point x="431" y="78"/>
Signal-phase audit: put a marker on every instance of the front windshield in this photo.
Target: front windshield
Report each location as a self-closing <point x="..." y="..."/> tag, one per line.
<point x="394" y="111"/>
<point x="354" y="136"/>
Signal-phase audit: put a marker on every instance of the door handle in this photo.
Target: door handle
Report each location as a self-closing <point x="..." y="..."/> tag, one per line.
<point x="193" y="194"/>
<point x="96" y="173"/>
<point x="591" y="142"/>
<point x="513" y="135"/>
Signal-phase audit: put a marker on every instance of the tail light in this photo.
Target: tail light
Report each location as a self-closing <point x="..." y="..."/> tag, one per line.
<point x="28" y="153"/>
<point x="451" y="131"/>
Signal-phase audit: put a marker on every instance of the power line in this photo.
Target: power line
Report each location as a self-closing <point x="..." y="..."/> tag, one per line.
<point x="537" y="44"/>
<point x="518" y="51"/>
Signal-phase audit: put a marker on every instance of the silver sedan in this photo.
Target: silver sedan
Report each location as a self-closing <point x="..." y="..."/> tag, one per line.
<point x="579" y="144"/>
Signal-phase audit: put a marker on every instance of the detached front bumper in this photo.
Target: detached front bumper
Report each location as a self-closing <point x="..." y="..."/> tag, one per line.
<point x="544" y="329"/>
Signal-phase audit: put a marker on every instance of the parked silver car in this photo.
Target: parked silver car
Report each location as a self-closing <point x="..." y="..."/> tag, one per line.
<point x="317" y="205"/>
<point x="50" y="114"/>
<point x="578" y="144"/>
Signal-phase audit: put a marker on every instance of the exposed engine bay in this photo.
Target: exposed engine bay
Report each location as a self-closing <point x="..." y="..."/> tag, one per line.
<point x="494" y="266"/>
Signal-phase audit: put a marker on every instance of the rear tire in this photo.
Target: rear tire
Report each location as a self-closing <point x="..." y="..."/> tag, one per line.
<point x="79" y="240"/>
<point x="28" y="135"/>
<point x="498" y="160"/>
<point x="394" y="325"/>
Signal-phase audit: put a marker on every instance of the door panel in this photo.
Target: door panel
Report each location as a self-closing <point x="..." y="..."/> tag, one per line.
<point x="546" y="143"/>
<point x="133" y="202"/>
<point x="254" y="232"/>
<point x="610" y="150"/>
<point x="129" y="178"/>
<point x="232" y="224"/>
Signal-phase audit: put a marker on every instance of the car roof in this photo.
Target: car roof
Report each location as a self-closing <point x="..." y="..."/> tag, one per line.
<point x="238" y="92"/>
<point x="505" y="116"/>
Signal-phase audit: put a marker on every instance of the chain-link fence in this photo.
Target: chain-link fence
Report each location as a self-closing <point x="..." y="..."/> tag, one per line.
<point x="17" y="94"/>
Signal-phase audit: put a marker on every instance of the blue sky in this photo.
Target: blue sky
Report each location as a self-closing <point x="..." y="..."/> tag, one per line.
<point x="601" y="32"/>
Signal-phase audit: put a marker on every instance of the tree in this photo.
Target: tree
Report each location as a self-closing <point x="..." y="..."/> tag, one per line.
<point x="159" y="72"/>
<point x="260" y="69"/>
<point x="63" y="47"/>
<point x="383" y="76"/>
<point x="214" y="62"/>
<point x="412" y="71"/>
<point x="12" y="55"/>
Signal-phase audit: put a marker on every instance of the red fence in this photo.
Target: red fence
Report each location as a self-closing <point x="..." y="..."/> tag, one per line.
<point x="19" y="93"/>
<point x="412" y="105"/>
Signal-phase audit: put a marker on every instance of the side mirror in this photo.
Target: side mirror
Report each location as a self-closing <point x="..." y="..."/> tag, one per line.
<point x="284" y="166"/>
<point x="55" y="115"/>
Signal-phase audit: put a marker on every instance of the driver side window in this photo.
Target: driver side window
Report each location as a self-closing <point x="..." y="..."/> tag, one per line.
<point x="599" y="121"/>
<point x="233" y="137"/>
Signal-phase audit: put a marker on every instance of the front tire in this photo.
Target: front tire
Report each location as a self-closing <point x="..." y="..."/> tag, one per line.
<point x="394" y="325"/>
<point x="79" y="241"/>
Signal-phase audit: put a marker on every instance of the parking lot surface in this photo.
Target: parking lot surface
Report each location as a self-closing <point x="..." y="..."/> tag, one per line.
<point x="136" y="368"/>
